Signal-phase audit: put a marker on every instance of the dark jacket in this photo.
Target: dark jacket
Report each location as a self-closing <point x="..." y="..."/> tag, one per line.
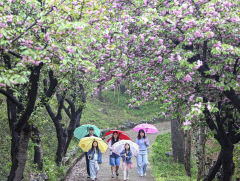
<point x="89" y="136"/>
<point x="91" y="153"/>
<point x="128" y="158"/>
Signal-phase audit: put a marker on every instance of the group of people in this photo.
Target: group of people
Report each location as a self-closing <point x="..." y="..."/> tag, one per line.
<point x="94" y="156"/>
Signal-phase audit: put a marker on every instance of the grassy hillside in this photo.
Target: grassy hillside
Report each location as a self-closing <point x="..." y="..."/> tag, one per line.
<point x="114" y="111"/>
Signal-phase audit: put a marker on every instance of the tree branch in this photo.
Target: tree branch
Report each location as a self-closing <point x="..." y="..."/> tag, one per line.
<point x="12" y="98"/>
<point x="233" y="97"/>
<point x="67" y="111"/>
<point x="60" y="105"/>
<point x="235" y="67"/>
<point x="50" y="112"/>
<point x="72" y="106"/>
<point x="32" y="96"/>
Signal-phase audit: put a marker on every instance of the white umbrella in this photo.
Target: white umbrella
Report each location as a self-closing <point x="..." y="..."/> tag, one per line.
<point x="120" y="146"/>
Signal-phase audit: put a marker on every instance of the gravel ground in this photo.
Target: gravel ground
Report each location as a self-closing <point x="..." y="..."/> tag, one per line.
<point x="78" y="173"/>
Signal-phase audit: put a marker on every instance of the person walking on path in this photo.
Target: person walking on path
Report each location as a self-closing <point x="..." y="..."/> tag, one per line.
<point x="142" y="157"/>
<point x="95" y="158"/>
<point x="126" y="155"/>
<point x="91" y="133"/>
<point x="114" y="159"/>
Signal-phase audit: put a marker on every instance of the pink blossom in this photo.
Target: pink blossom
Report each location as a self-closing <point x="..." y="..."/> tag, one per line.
<point x="191" y="97"/>
<point x="188" y="78"/>
<point x="211" y="35"/>
<point x="187" y="123"/>
<point x="145" y="2"/>
<point x="199" y="64"/>
<point x="46" y="38"/>
<point x="70" y="49"/>
<point x="9" y="19"/>
<point x="2" y="84"/>
<point x="160" y="42"/>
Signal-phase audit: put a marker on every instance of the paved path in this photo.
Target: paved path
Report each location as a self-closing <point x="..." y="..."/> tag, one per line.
<point x="78" y="172"/>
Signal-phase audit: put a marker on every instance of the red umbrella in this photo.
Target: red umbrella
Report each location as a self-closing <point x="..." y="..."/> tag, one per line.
<point x="111" y="132"/>
<point x="121" y="137"/>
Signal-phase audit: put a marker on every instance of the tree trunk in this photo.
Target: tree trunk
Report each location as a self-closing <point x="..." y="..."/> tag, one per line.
<point x="61" y="144"/>
<point x="38" y="150"/>
<point x="227" y="163"/>
<point x="187" y="154"/>
<point x="99" y="95"/>
<point x="202" y="140"/>
<point x="122" y="88"/>
<point x="215" y="168"/>
<point x="199" y="144"/>
<point x="177" y="141"/>
<point x="19" y="155"/>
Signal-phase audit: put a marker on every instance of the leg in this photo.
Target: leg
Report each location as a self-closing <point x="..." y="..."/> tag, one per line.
<point x="92" y="170"/>
<point x="117" y="167"/>
<point x="112" y="163"/>
<point x="145" y="163"/>
<point x="124" y="171"/>
<point x="87" y="163"/>
<point x="96" y="168"/>
<point x="139" y="164"/>
<point x="128" y="167"/>
<point x="117" y="163"/>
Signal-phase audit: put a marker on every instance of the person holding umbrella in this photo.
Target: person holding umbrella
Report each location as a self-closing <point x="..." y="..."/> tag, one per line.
<point x="95" y="157"/>
<point x="126" y="149"/>
<point x="87" y="130"/>
<point x="114" y="159"/>
<point x="126" y="155"/>
<point x="94" y="147"/>
<point x="91" y="133"/>
<point x="142" y="157"/>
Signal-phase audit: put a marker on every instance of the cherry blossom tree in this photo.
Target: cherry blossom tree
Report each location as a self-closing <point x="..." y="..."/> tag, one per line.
<point x="37" y="38"/>
<point x="183" y="53"/>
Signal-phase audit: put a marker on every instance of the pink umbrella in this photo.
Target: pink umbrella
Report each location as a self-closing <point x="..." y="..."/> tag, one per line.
<point x="148" y="128"/>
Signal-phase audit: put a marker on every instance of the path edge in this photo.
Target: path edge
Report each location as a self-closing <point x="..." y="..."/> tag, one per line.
<point x="73" y="163"/>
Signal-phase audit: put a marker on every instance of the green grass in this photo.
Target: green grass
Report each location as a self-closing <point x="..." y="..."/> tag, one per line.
<point x="164" y="168"/>
<point x="117" y="111"/>
<point x="147" y="111"/>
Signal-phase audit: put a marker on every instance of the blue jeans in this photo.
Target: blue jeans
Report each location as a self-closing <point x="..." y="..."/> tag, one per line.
<point x="94" y="168"/>
<point x="114" y="159"/>
<point x="142" y="161"/>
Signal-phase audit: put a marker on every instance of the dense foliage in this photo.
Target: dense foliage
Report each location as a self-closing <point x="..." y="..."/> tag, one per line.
<point x="183" y="53"/>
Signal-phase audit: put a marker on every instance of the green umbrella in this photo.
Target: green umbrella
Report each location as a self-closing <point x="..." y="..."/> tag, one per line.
<point x="82" y="131"/>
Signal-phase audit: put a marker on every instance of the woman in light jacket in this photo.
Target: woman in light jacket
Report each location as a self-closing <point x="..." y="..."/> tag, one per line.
<point x="95" y="158"/>
<point x="142" y="157"/>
